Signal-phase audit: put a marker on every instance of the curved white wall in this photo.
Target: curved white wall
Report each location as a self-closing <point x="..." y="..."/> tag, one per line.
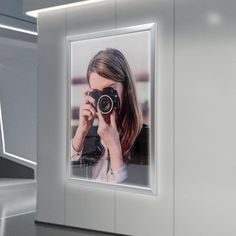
<point x="18" y="72"/>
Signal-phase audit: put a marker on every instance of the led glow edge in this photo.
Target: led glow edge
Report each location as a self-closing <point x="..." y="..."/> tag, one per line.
<point x="3" y="143"/>
<point x="18" y="29"/>
<point x="35" y="13"/>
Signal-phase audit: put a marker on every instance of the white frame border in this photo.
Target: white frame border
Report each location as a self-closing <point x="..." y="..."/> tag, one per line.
<point x="152" y="190"/>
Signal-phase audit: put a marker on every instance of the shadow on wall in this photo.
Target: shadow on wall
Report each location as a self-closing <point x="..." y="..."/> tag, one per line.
<point x="10" y="169"/>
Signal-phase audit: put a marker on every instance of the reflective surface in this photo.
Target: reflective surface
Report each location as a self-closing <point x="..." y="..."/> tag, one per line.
<point x="18" y="70"/>
<point x="136" y="43"/>
<point x="16" y="197"/>
<point x="17" y="212"/>
<point x="205" y="101"/>
<point x="25" y="225"/>
<point x="79" y="205"/>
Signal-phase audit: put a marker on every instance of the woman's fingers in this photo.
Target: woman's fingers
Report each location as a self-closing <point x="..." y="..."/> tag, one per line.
<point x="100" y="116"/>
<point x="108" y="132"/>
<point x="102" y="126"/>
<point x="89" y="100"/>
<point x="86" y="91"/>
<point x="87" y="113"/>
<point x="90" y="108"/>
<point x="113" y="119"/>
<point x="102" y="122"/>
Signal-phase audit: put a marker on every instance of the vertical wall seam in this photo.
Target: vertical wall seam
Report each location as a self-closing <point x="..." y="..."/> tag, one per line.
<point x="115" y="211"/>
<point x="37" y="112"/>
<point x="115" y="13"/>
<point x="174" y="119"/>
<point x="65" y="75"/>
<point x="115" y="192"/>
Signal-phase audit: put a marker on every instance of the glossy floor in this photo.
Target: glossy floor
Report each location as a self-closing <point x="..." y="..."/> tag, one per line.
<point x="17" y="213"/>
<point x="24" y="225"/>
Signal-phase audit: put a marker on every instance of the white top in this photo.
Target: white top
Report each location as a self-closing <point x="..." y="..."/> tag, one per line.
<point x="101" y="170"/>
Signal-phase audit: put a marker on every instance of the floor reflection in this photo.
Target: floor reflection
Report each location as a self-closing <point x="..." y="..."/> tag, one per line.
<point x="17" y="213"/>
<point x="25" y="225"/>
<point x="17" y="197"/>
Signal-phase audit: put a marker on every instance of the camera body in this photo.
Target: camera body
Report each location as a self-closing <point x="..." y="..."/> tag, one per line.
<point x="106" y="99"/>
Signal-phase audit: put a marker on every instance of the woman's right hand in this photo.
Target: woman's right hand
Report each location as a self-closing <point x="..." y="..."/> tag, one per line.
<point x="87" y="114"/>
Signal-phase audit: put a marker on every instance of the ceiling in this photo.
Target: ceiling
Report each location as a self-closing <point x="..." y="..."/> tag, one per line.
<point x="12" y="14"/>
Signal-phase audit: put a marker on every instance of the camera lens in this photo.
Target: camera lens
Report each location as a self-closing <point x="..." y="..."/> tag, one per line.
<point x="105" y="104"/>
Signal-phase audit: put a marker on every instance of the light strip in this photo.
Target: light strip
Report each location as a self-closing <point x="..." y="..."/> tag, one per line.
<point x="3" y="144"/>
<point x="35" y="13"/>
<point x="19" y="214"/>
<point x="2" y="221"/>
<point x="18" y="29"/>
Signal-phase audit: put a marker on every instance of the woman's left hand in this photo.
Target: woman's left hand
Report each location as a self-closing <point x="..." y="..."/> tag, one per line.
<point x="110" y="136"/>
<point x="108" y="132"/>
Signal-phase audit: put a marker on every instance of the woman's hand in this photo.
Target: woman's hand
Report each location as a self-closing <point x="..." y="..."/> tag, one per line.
<point x="110" y="136"/>
<point x="108" y="132"/>
<point x="87" y="114"/>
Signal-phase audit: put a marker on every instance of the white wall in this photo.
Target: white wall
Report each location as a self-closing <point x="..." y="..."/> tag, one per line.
<point x="82" y="206"/>
<point x="205" y="114"/>
<point x="196" y="101"/>
<point x="18" y="73"/>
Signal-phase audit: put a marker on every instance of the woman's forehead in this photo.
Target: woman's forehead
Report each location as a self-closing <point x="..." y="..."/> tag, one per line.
<point x="98" y="82"/>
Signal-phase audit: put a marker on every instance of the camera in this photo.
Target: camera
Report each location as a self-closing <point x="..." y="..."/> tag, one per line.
<point x="92" y="149"/>
<point x="106" y="99"/>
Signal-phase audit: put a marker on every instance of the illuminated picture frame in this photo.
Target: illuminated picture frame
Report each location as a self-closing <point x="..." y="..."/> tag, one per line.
<point x="112" y="133"/>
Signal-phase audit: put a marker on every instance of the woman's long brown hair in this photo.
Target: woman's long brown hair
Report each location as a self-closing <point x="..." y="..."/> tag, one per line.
<point x="111" y="64"/>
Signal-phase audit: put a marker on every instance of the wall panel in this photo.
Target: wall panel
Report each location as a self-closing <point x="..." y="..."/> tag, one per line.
<point x="18" y="69"/>
<point x="127" y="213"/>
<point x="196" y="120"/>
<point x="95" y="207"/>
<point x="145" y="215"/>
<point x="205" y="118"/>
<point x="51" y="143"/>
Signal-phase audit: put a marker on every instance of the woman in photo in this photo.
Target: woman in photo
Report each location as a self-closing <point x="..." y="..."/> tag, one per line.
<point x="120" y="137"/>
